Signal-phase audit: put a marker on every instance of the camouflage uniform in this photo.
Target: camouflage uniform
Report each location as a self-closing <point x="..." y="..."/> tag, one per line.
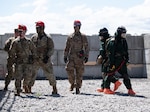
<point x="45" y="48"/>
<point x="20" y="51"/>
<point x="74" y="45"/>
<point x="10" y="63"/>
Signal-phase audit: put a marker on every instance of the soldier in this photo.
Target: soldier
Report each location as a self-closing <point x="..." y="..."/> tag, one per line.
<point x="118" y="57"/>
<point x="10" y="68"/>
<point x="45" y="49"/>
<point x="22" y="52"/>
<point x="105" y="86"/>
<point x="75" y="55"/>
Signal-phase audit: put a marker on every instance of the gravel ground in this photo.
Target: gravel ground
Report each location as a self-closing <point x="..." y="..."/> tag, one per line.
<point x="88" y="101"/>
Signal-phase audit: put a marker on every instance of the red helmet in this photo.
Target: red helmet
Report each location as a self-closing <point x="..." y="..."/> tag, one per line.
<point x="22" y="27"/>
<point x="40" y="24"/>
<point x="77" y="23"/>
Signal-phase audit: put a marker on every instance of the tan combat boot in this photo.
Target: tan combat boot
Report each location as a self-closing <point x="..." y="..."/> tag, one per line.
<point x="72" y="87"/>
<point x="26" y="89"/>
<point x="17" y="93"/>
<point x="54" y="90"/>
<point x="30" y="91"/>
<point x="77" y="91"/>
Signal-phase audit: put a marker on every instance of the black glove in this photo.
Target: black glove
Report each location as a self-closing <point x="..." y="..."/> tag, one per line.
<point x="85" y="60"/>
<point x="65" y="59"/>
<point x="45" y="59"/>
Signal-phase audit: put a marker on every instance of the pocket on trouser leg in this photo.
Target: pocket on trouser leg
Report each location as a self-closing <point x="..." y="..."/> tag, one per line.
<point x="71" y="76"/>
<point x="51" y="78"/>
<point x="79" y="74"/>
<point x="79" y="82"/>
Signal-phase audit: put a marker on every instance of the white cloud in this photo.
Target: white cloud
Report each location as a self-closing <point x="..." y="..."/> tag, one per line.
<point x="136" y="19"/>
<point x="80" y="11"/>
<point x="25" y="5"/>
<point x="40" y="7"/>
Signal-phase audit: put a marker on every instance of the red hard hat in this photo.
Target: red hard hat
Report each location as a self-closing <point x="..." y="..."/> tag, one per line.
<point x="77" y="23"/>
<point x="22" y="27"/>
<point x="40" y="24"/>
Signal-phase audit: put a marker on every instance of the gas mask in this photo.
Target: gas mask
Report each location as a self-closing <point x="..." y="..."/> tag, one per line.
<point x="101" y="38"/>
<point x="123" y="35"/>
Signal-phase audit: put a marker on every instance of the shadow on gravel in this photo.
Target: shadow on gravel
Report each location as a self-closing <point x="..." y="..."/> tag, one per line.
<point x="33" y="96"/>
<point x="125" y="94"/>
<point x="39" y="96"/>
<point x="2" y="94"/>
<point x="88" y="94"/>
<point x="54" y="95"/>
<point x="5" y="100"/>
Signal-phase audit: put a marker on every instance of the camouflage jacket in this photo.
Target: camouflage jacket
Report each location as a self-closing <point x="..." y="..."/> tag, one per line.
<point x="76" y="43"/>
<point x="21" y="49"/>
<point x="44" y="45"/>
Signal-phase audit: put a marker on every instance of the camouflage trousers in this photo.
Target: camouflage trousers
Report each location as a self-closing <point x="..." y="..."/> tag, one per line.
<point x="22" y="72"/>
<point x="48" y="72"/>
<point x="10" y="72"/>
<point x="75" y="70"/>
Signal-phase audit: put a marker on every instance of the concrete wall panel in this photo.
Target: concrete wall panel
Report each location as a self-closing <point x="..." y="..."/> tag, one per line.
<point x="135" y="42"/>
<point x="136" y="56"/>
<point x="146" y="39"/>
<point x="147" y="71"/>
<point x="93" y="42"/>
<point x="146" y="57"/>
<point x="136" y="71"/>
<point x="59" y="41"/>
<point x="139" y="52"/>
<point x="92" y="71"/>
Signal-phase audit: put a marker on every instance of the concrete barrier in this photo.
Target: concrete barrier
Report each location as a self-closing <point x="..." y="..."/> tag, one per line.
<point x="146" y="59"/>
<point x="139" y="54"/>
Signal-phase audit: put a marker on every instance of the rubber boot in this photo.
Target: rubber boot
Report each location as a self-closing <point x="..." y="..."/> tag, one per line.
<point x="54" y="90"/>
<point x="131" y="92"/>
<point x="100" y="90"/>
<point x="116" y="85"/>
<point x="108" y="91"/>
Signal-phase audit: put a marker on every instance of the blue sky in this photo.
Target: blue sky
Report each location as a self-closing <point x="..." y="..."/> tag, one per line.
<point x="59" y="15"/>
